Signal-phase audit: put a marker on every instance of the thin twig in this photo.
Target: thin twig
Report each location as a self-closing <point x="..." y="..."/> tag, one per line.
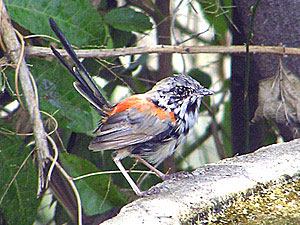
<point x="51" y="168"/>
<point x="214" y="129"/>
<point x="9" y="132"/>
<point x="54" y="120"/>
<point x="18" y="68"/>
<point x="15" y="176"/>
<point x="106" y="194"/>
<point x="282" y="89"/>
<point x="247" y="75"/>
<point x="110" y="172"/>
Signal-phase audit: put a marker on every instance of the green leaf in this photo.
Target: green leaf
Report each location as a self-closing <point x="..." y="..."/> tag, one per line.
<point x="203" y="78"/>
<point x="92" y="190"/>
<point x="127" y="19"/>
<point x="78" y="19"/>
<point x="20" y="203"/>
<point x="120" y="38"/>
<point x="215" y="12"/>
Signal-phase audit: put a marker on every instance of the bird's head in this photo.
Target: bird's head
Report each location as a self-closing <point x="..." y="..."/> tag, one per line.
<point x="178" y="91"/>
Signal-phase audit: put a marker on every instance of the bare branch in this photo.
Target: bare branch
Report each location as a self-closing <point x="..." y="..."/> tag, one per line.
<point x="166" y="49"/>
<point x="13" y="48"/>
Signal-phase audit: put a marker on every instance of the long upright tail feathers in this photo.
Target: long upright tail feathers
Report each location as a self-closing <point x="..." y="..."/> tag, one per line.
<point x="84" y="85"/>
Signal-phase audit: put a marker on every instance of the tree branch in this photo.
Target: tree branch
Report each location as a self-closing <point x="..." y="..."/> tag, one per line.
<point x="166" y="49"/>
<point x="13" y="48"/>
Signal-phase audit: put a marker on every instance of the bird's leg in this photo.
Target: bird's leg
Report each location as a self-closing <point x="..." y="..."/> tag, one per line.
<point x="158" y="173"/>
<point x="128" y="178"/>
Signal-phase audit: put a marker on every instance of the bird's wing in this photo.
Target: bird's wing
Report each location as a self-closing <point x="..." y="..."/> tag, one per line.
<point x="131" y="126"/>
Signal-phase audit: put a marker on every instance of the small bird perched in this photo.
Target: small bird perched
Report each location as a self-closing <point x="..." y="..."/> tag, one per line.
<point x="148" y="126"/>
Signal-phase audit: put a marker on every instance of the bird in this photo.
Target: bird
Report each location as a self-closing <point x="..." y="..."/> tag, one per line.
<point x="147" y="127"/>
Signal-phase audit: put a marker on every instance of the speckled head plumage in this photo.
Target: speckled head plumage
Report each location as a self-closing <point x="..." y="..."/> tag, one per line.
<point x="178" y="91"/>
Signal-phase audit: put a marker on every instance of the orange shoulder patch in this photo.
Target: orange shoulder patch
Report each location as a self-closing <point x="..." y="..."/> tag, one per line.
<point x="127" y="103"/>
<point x="143" y="105"/>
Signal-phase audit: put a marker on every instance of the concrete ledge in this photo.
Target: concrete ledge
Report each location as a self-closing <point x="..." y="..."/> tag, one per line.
<point x="234" y="189"/>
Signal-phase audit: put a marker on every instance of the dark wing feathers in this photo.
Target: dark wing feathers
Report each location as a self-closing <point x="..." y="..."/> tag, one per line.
<point x="127" y="128"/>
<point x="85" y="84"/>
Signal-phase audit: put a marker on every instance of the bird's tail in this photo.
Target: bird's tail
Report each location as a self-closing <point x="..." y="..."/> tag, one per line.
<point x="84" y="84"/>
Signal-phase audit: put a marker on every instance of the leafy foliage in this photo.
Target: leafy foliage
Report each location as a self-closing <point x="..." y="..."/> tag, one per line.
<point x="79" y="28"/>
<point x="19" y="205"/>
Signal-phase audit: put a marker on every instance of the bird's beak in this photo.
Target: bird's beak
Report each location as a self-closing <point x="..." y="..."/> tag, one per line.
<point x="206" y="91"/>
